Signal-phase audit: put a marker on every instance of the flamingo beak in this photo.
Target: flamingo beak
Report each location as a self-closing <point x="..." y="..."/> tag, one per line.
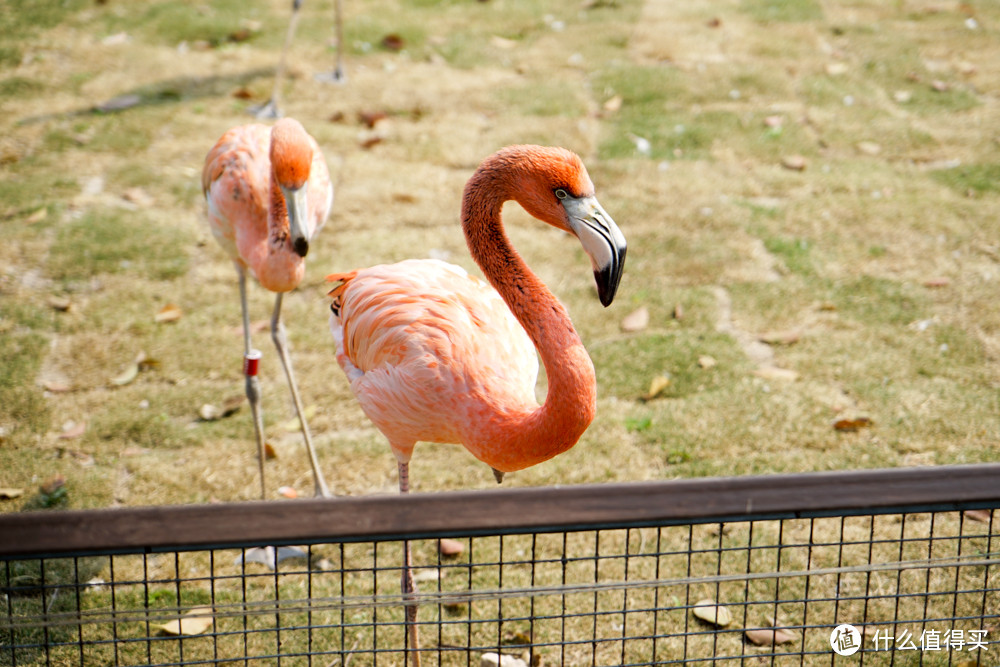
<point x="603" y="242"/>
<point x="297" y="204"/>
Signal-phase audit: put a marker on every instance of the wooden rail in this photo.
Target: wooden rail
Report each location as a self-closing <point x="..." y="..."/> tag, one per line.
<point x="426" y="515"/>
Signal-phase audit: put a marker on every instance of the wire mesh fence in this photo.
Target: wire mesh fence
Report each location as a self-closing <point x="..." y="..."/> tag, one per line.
<point x="742" y="571"/>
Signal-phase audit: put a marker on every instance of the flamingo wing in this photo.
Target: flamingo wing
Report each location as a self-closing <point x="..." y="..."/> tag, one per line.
<point x="430" y="351"/>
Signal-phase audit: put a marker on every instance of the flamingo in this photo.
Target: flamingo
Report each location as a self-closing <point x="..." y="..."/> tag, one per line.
<point x="434" y="354"/>
<point x="272" y="108"/>
<point x="268" y="192"/>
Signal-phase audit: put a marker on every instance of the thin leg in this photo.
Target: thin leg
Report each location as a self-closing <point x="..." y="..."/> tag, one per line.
<point x="252" y="383"/>
<point x="281" y="343"/>
<point x="337" y="75"/>
<point x="272" y="108"/>
<point x="407" y="585"/>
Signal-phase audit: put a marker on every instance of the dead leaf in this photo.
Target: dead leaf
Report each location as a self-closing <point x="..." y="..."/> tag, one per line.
<point x="706" y="361"/>
<point x="678" y="313"/>
<point x="940" y="281"/>
<point x="836" y="69"/>
<point x="370" y="141"/>
<point x="56" y="387"/>
<point x="242" y="94"/>
<point x="711" y="612"/>
<point x="371" y="118"/>
<point x="637" y="320"/>
<point x="127" y="375"/>
<point x="72" y="430"/>
<point x="169" y="313"/>
<point x="503" y="42"/>
<point x="940" y="86"/>
<point x="789" y="337"/>
<point x="656" y="387"/>
<point x="613" y="104"/>
<point x="52" y="485"/>
<point x="209" y="412"/>
<point x="769" y="636"/>
<point x="851" y="425"/>
<point x="10" y="494"/>
<point x="428" y="575"/>
<point x="270" y="453"/>
<point x="194" y="622"/>
<point x="293" y="424"/>
<point x="449" y="547"/>
<point x="119" y="103"/>
<point x="60" y="303"/>
<point x="869" y="147"/>
<point x="37" y="216"/>
<point x="393" y="42"/>
<point x="983" y="516"/>
<point x="270" y="557"/>
<point x="138" y="196"/>
<point x="794" y="162"/>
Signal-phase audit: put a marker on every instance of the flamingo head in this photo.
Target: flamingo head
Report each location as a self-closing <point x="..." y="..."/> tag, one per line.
<point x="291" y="160"/>
<point x="554" y="187"/>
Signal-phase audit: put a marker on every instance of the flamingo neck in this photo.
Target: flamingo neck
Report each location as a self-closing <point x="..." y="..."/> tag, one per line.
<point x="281" y="269"/>
<point x="522" y="440"/>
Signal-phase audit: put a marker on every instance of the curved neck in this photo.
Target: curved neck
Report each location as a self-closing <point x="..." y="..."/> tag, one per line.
<point x="570" y="402"/>
<point x="278" y="267"/>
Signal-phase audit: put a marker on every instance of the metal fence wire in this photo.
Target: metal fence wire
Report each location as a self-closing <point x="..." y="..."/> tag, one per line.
<point x="742" y="571"/>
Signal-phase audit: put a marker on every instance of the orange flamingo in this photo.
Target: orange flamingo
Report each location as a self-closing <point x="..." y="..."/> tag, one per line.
<point x="268" y="192"/>
<point x="433" y="354"/>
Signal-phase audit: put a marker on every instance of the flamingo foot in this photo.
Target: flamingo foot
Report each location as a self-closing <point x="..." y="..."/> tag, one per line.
<point x="267" y="111"/>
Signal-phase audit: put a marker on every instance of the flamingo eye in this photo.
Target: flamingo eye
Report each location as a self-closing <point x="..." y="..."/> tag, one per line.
<point x="561" y="194"/>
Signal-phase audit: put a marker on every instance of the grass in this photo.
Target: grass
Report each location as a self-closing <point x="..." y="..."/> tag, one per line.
<point x="881" y="252"/>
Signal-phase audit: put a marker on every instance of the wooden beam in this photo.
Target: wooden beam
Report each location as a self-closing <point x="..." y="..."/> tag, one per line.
<point x="548" y="509"/>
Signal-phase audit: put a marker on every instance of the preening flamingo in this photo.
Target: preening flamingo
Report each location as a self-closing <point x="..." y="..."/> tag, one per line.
<point x="434" y="354"/>
<point x="272" y="108"/>
<point x="269" y="193"/>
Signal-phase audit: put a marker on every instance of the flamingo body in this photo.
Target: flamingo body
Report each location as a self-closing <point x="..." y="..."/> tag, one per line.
<point x="433" y="354"/>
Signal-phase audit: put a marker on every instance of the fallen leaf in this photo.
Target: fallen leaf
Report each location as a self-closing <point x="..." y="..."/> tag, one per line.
<point x="788" y="337"/>
<point x="288" y="492"/>
<point x="269" y="556"/>
<point x="836" y="69"/>
<point x="370" y="141"/>
<point x="270" y="453"/>
<point x="794" y="162"/>
<point x="637" y="320"/>
<point x="241" y="35"/>
<point x="449" y="547"/>
<point x="711" y="612"/>
<point x="428" y="575"/>
<point x="503" y="42"/>
<point x="72" y="430"/>
<point x="169" y="313"/>
<point x="10" y="494"/>
<point x="656" y="387"/>
<point x="851" y="425"/>
<point x="209" y="412"/>
<point x="393" y="42"/>
<point x="119" y="103"/>
<point x="56" y="387"/>
<point x="194" y="622"/>
<point x="706" y="361"/>
<point x="769" y="636"/>
<point x="613" y="104"/>
<point x="940" y="86"/>
<point x="242" y="94"/>
<point x="293" y="424"/>
<point x="678" y="313"/>
<point x="371" y="118"/>
<point x="37" y="216"/>
<point x="940" y="281"/>
<point x="774" y="121"/>
<point x="869" y="147"/>
<point x="902" y="96"/>
<point x="52" y="485"/>
<point x="983" y="516"/>
<point x="60" y="303"/>
<point x="127" y="375"/>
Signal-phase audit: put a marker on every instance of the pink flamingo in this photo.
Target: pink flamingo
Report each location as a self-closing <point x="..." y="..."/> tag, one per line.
<point x="268" y="192"/>
<point x="433" y="354"/>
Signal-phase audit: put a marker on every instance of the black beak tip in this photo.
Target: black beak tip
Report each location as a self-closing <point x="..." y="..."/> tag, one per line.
<point x="301" y="247"/>
<point x="608" y="278"/>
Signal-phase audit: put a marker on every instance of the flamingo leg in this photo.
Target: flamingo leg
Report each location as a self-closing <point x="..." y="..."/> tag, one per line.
<point x="281" y="343"/>
<point x="406" y="584"/>
<point x="252" y="382"/>
<point x="337" y="75"/>
<point x="272" y="108"/>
